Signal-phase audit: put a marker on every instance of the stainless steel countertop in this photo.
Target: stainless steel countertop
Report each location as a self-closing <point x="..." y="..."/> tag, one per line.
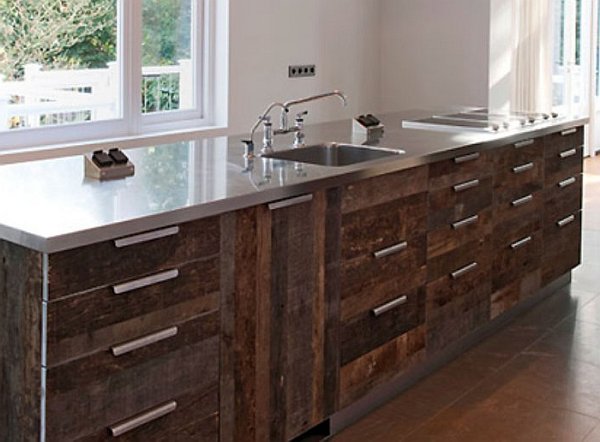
<point x="50" y="206"/>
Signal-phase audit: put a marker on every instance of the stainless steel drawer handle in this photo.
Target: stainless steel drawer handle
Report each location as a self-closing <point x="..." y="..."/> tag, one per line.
<point x="463" y="271"/>
<point x="389" y="306"/>
<point x="397" y="248"/>
<point x="568" y="182"/>
<point x="566" y="221"/>
<point x="466" y="186"/>
<point x="142" y="419"/>
<point x="291" y="202"/>
<point x="465" y="222"/>
<point x="130" y="286"/>
<point x="568" y="153"/>
<point x="128" y="347"/>
<point x="467" y="158"/>
<point x="522" y="242"/>
<point x="523" y="168"/>
<point x="522" y="201"/>
<point x="523" y="144"/>
<point x="564" y="133"/>
<point x="146" y="237"/>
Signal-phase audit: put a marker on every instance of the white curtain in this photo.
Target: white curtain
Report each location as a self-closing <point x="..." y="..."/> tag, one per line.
<point x="531" y="85"/>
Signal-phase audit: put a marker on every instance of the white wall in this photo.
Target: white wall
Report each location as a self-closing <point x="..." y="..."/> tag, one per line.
<point x="340" y="36"/>
<point x="434" y="53"/>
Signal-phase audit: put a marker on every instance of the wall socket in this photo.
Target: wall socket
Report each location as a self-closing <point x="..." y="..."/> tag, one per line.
<point x="302" y="70"/>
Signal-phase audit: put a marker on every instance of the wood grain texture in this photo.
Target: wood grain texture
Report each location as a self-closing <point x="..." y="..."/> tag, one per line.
<point x="509" y="156"/>
<point x="279" y="355"/>
<point x="101" y="264"/>
<point x="510" y="263"/>
<point x="562" y="249"/>
<point x="556" y="143"/>
<point x="512" y="293"/>
<point x="83" y="324"/>
<point x="20" y="346"/>
<point x="366" y="332"/>
<point x="369" y="230"/>
<point x="85" y="396"/>
<point x="558" y="168"/>
<point x="385" y="188"/>
<point x="381" y="365"/>
<point x="446" y="205"/>
<point x="194" y="420"/>
<point x="447" y="173"/>
<point x="457" y="306"/>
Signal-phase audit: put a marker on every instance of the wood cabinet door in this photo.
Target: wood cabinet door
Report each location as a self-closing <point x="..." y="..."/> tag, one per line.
<point x="279" y="347"/>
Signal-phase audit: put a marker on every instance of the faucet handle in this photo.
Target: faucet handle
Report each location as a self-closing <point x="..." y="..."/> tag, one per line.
<point x="301" y="115"/>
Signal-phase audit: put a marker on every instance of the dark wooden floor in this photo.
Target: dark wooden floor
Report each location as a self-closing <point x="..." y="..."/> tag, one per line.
<point x="537" y="380"/>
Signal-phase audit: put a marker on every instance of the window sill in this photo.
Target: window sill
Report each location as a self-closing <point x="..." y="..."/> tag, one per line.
<point x="63" y="150"/>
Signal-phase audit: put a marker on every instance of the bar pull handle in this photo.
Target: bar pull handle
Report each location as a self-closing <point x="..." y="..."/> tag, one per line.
<point x="142" y="419"/>
<point x="396" y="248"/>
<point x="466" y="186"/>
<point x="467" y="158"/>
<point x="522" y="201"/>
<point x="522" y="242"/>
<point x="463" y="271"/>
<point x="568" y="182"/>
<point x="389" y="306"/>
<point x="291" y="202"/>
<point x="564" y="133"/>
<point x="465" y="222"/>
<point x="128" y="347"/>
<point x="523" y="168"/>
<point x="566" y="221"/>
<point x="146" y="237"/>
<point x="568" y="153"/>
<point x="523" y="144"/>
<point x="130" y="286"/>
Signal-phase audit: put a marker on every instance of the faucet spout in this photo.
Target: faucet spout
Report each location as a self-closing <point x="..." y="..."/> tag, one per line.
<point x="335" y="93"/>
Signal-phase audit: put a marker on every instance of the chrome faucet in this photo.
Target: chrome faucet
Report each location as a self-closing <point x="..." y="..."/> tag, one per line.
<point x="284" y="128"/>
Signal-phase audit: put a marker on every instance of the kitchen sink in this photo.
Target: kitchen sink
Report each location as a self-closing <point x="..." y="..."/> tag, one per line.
<point x="334" y="154"/>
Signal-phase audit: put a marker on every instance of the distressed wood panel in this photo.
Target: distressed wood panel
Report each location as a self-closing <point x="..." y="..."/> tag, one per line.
<point x="20" y="346"/>
<point x="87" y="395"/>
<point x="83" y="324"/>
<point x="385" y="188"/>
<point x="447" y="173"/>
<point x="365" y="332"/>
<point x="562" y="249"/>
<point x="556" y="143"/>
<point x="381" y="365"/>
<point x="558" y="168"/>
<point x="511" y="294"/>
<point x="369" y="230"/>
<point x="101" y="264"/>
<point x="509" y="156"/>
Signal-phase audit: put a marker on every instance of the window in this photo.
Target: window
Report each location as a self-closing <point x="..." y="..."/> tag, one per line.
<point x="76" y="70"/>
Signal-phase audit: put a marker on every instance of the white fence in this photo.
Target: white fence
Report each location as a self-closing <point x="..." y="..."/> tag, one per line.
<point x="60" y="96"/>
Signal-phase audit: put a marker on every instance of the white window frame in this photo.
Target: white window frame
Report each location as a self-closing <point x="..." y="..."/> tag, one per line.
<point x="133" y="124"/>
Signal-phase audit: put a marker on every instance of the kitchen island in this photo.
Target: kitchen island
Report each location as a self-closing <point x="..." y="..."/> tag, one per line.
<point x="211" y="297"/>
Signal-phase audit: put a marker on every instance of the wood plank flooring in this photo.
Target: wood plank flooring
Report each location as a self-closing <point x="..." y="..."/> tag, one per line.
<point x="537" y="380"/>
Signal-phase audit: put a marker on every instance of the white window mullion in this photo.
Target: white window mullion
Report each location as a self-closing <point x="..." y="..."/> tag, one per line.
<point x="132" y="64"/>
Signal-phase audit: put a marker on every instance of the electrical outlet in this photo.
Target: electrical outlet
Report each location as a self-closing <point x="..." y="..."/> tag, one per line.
<point x="303" y="70"/>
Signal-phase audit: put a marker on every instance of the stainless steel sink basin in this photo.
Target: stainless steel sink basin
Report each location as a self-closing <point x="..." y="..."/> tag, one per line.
<point x="334" y="154"/>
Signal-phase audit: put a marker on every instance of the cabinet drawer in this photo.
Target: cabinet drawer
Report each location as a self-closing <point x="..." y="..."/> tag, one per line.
<point x="458" y="299"/>
<point x="367" y="280"/>
<point x="515" y="291"/>
<point x="459" y="169"/>
<point x="567" y="139"/>
<point x="451" y="236"/>
<point x="377" y="228"/>
<point x="373" y="328"/>
<point x="458" y="201"/>
<point x="516" y="258"/>
<point x="87" y="396"/>
<point x="518" y="153"/>
<point x="566" y="163"/>
<point x="562" y="246"/>
<point x="111" y="262"/>
<point x="521" y="208"/>
<point x="509" y="185"/>
<point x="562" y="201"/>
<point x="384" y="188"/>
<point x="380" y="365"/>
<point x="84" y="324"/>
<point x="516" y="223"/>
